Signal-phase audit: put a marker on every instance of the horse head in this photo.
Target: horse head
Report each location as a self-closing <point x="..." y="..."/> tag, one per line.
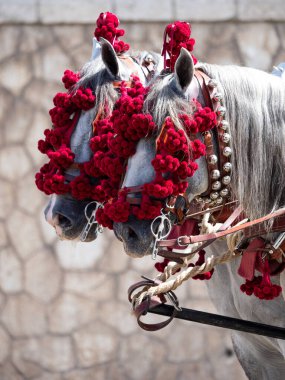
<point x="103" y="74"/>
<point x="239" y="160"/>
<point x="170" y="94"/>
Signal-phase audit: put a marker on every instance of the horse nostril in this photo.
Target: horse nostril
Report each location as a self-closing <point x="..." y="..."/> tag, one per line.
<point x="64" y="222"/>
<point x="131" y="234"/>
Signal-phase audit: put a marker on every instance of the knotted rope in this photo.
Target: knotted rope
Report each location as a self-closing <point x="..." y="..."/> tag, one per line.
<point x="167" y="284"/>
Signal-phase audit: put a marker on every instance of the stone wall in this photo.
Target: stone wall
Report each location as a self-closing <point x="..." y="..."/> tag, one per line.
<point x="63" y="308"/>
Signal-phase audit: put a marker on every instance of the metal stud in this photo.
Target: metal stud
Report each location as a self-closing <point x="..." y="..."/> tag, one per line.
<point x="227" y="167"/>
<point x="207" y="200"/>
<point x="217" y="97"/>
<point x="226" y="180"/>
<point x="213" y="83"/>
<point x="224" y="125"/>
<point x="215" y="174"/>
<point x="219" y="201"/>
<point x="221" y="111"/>
<point x="226" y="137"/>
<point x="224" y="192"/>
<point x="213" y="159"/>
<point x="214" y="195"/>
<point x="216" y="185"/>
<point x="227" y="151"/>
<point x="199" y="199"/>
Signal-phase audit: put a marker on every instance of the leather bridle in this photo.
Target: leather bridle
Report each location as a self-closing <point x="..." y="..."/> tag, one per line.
<point x="222" y="208"/>
<point x="148" y="68"/>
<point x="217" y="195"/>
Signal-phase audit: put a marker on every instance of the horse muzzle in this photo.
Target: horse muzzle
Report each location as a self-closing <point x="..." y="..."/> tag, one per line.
<point x="67" y="217"/>
<point x="136" y="237"/>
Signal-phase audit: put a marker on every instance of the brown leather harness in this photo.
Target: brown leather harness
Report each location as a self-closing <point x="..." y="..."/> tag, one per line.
<point x="226" y="213"/>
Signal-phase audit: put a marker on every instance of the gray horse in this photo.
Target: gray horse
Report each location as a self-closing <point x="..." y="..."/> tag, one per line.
<point x="63" y="212"/>
<point x="254" y="102"/>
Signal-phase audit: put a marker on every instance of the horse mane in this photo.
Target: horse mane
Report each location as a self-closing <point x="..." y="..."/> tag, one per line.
<point x="94" y="75"/>
<point x="165" y="99"/>
<point x="256" y="114"/>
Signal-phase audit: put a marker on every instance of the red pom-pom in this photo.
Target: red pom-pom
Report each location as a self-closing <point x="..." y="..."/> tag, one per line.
<point x="161" y="266"/>
<point x="69" y="78"/>
<point x="176" y="37"/>
<point x="103" y="219"/>
<point x="107" y="24"/>
<point x="261" y="286"/>
<point x="84" y="99"/>
<point x="118" y="211"/>
<point x="81" y="187"/>
<point x="62" y="158"/>
<point x="206" y="119"/>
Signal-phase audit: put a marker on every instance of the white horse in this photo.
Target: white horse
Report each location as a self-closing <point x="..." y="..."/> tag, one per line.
<point x="63" y="212"/>
<point x="254" y="102"/>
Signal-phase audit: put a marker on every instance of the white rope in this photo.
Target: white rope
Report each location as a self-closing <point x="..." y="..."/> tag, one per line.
<point x="168" y="283"/>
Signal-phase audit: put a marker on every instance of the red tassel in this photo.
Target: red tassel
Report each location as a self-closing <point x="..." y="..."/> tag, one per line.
<point x="262" y="286"/>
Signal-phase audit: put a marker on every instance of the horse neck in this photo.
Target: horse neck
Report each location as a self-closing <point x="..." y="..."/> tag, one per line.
<point x="255" y="111"/>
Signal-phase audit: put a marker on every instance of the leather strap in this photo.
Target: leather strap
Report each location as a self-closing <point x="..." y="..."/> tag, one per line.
<point x="217" y="133"/>
<point x="257" y="230"/>
<point x="118" y="83"/>
<point x="176" y="256"/>
<point x="148" y="304"/>
<point x="203" y="79"/>
<point x="186" y="240"/>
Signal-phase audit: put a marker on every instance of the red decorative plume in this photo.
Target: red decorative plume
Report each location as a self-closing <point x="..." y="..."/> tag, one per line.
<point x="176" y="36"/>
<point x="261" y="286"/>
<point x="107" y="27"/>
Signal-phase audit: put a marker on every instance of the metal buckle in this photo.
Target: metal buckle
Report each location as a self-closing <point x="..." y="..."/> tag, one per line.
<point x="179" y="241"/>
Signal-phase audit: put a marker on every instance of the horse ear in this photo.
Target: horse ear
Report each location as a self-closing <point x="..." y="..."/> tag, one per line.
<point x="184" y="69"/>
<point x="109" y="57"/>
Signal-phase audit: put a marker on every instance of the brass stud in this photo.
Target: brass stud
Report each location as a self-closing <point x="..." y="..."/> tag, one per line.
<point x="214" y="195"/>
<point x="221" y="111"/>
<point x="213" y="83"/>
<point x="216" y="185"/>
<point x="227" y="167"/>
<point x="215" y="174"/>
<point x="226" y="137"/>
<point x="213" y="159"/>
<point x="219" y="201"/>
<point x="224" y="192"/>
<point x="224" y="125"/>
<point x="227" y="151"/>
<point x="226" y="180"/>
<point x="217" y="97"/>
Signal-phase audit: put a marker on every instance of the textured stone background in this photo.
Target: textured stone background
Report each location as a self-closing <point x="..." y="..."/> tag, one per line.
<point x="63" y="308"/>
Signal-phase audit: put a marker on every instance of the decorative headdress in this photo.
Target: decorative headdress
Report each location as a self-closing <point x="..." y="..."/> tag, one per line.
<point x="64" y="117"/>
<point x="176" y="36"/>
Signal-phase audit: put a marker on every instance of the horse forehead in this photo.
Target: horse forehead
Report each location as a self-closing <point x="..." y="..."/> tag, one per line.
<point x="127" y="67"/>
<point x="79" y="141"/>
<point x="139" y="169"/>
